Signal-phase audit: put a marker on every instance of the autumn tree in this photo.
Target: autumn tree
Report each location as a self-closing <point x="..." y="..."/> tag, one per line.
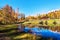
<point x="39" y="16"/>
<point x="8" y="15"/>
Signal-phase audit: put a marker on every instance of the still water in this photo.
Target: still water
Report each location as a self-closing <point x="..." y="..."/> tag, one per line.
<point x="46" y="33"/>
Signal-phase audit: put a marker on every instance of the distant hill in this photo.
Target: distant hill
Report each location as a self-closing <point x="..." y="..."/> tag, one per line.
<point x="51" y="15"/>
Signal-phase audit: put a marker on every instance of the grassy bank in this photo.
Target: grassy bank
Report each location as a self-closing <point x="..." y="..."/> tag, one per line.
<point x="50" y="22"/>
<point x="10" y="32"/>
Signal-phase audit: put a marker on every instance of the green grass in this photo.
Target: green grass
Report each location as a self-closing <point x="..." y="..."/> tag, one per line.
<point x="50" y="22"/>
<point x="7" y="27"/>
<point x="11" y="32"/>
<point x="24" y="36"/>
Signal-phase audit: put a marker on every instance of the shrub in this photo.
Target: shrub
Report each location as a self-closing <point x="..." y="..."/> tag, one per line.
<point x="54" y="23"/>
<point x="46" y="22"/>
<point x="41" y="22"/>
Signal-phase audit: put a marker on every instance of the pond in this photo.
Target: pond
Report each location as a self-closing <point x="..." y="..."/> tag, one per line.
<point x="46" y="33"/>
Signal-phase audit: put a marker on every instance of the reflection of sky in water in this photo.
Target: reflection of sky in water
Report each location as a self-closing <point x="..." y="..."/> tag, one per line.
<point x="43" y="32"/>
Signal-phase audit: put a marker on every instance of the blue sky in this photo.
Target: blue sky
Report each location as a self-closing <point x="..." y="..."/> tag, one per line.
<point x="32" y="7"/>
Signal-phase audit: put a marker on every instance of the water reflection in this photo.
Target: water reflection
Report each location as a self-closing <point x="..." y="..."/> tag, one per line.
<point x="44" y="32"/>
